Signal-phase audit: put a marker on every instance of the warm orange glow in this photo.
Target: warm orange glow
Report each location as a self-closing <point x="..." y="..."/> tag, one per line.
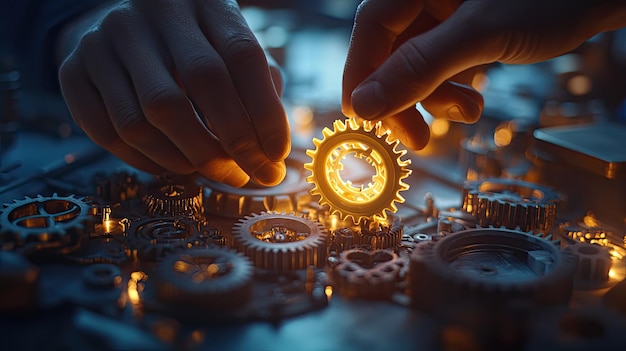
<point x="503" y="136"/>
<point x="439" y="127"/>
<point x="328" y="291"/>
<point x="579" y="85"/>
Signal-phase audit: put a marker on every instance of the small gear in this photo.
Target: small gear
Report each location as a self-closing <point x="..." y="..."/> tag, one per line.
<point x="594" y="263"/>
<point x="172" y="198"/>
<point x="510" y="203"/>
<point x="155" y="238"/>
<point x="367" y="274"/>
<point x="291" y="195"/>
<point x="281" y="241"/>
<point x="374" y="235"/>
<point x="118" y="187"/>
<point x="489" y="267"/>
<point x="45" y="222"/>
<point x="211" y="278"/>
<point x="366" y="142"/>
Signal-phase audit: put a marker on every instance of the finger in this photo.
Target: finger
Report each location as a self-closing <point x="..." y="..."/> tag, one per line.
<point x="89" y="112"/>
<point x="421" y="64"/>
<point x="456" y="102"/>
<point x="248" y="68"/>
<point x="376" y="26"/>
<point x="166" y="107"/>
<point x="409" y="127"/>
<point x="277" y="75"/>
<point x="118" y="95"/>
<point x="207" y="82"/>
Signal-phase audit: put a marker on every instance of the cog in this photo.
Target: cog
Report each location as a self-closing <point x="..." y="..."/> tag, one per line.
<point x="510" y="203"/>
<point x="366" y="142"/>
<point x="489" y="267"/>
<point x="281" y="241"/>
<point x="175" y="199"/>
<point x="44" y="222"/>
<point x="367" y="274"/>
<point x="211" y="278"/>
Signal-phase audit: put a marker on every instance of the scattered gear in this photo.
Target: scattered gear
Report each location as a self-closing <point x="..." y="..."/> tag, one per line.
<point x="281" y="241"/>
<point x="373" y="235"/>
<point x="102" y="275"/>
<point x="118" y="187"/>
<point x="510" y="203"/>
<point x="170" y="198"/>
<point x="45" y="222"/>
<point x="489" y="267"/>
<point x="155" y="238"/>
<point x="367" y="274"/>
<point x="594" y="263"/>
<point x="366" y="142"/>
<point x="211" y="278"/>
<point x="291" y="195"/>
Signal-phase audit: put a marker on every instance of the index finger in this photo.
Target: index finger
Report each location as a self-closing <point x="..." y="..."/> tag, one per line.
<point x="376" y="26"/>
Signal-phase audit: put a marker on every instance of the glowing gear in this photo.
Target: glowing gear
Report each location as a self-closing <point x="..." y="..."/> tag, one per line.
<point x="369" y="142"/>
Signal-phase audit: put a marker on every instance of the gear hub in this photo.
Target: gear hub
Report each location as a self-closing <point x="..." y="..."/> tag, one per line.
<point x="367" y="143"/>
<point x="281" y="241"/>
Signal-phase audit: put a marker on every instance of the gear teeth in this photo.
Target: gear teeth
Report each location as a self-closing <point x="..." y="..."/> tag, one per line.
<point x="361" y="138"/>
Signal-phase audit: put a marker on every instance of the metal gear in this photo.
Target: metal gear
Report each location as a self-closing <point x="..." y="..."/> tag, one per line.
<point x="489" y="267"/>
<point x="45" y="222"/>
<point x="291" y="195"/>
<point x="281" y="241"/>
<point x="175" y="199"/>
<point x="510" y="203"/>
<point x="594" y="263"/>
<point x="367" y="274"/>
<point x="368" y="142"/>
<point x="211" y="278"/>
<point x="374" y="235"/>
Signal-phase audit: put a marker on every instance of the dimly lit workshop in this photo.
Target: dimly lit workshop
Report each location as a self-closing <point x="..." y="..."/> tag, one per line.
<point x="313" y="175"/>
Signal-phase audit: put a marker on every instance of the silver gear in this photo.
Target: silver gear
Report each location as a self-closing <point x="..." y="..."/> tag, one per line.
<point x="211" y="278"/>
<point x="594" y="263"/>
<point x="291" y="195"/>
<point x="510" y="203"/>
<point x="489" y="267"/>
<point x="281" y="241"/>
<point x="367" y="274"/>
<point x="45" y="222"/>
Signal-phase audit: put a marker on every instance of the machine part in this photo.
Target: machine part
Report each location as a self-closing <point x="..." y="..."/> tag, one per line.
<point x="45" y="222"/>
<point x="291" y="195"/>
<point x="594" y="263"/>
<point x="491" y="268"/>
<point x="281" y="241"/>
<point x="373" y="235"/>
<point x="211" y="278"/>
<point x="118" y="187"/>
<point x="102" y="275"/>
<point x="478" y="157"/>
<point x="370" y="144"/>
<point x="174" y="199"/>
<point x="18" y="283"/>
<point x="155" y="238"/>
<point x="367" y="274"/>
<point x="510" y="203"/>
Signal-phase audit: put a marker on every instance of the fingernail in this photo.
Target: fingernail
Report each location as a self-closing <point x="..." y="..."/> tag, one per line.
<point x="455" y="114"/>
<point x="368" y="100"/>
<point x="276" y="147"/>
<point x="271" y="173"/>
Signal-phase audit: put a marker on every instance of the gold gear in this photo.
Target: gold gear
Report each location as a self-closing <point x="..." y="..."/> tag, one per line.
<point x="367" y="141"/>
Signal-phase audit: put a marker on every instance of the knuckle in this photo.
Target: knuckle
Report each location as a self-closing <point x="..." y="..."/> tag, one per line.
<point x="159" y="103"/>
<point x="126" y="120"/>
<point x="200" y="66"/>
<point x="117" y="19"/>
<point x="240" y="146"/>
<point x="241" y="48"/>
<point x="414" y="61"/>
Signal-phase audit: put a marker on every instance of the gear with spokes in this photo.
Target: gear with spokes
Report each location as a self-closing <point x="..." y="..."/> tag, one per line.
<point x="365" y="142"/>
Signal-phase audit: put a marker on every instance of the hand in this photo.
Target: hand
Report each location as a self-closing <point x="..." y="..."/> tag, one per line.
<point x="180" y="85"/>
<point x="403" y="52"/>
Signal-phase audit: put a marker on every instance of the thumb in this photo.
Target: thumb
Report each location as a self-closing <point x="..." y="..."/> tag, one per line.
<point x="422" y="64"/>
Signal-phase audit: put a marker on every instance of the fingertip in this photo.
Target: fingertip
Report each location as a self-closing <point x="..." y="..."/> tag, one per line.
<point x="270" y="173"/>
<point x="369" y="100"/>
<point x="277" y="147"/>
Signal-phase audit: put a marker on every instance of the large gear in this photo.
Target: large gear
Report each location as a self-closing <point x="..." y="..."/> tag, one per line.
<point x="370" y="143"/>
<point x="211" y="278"/>
<point x="510" y="203"/>
<point x="281" y="241"/>
<point x="489" y="267"/>
<point x="45" y="222"/>
<point x="291" y="195"/>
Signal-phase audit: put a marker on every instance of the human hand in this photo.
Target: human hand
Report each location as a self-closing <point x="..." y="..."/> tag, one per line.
<point x="403" y="52"/>
<point x="180" y="85"/>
